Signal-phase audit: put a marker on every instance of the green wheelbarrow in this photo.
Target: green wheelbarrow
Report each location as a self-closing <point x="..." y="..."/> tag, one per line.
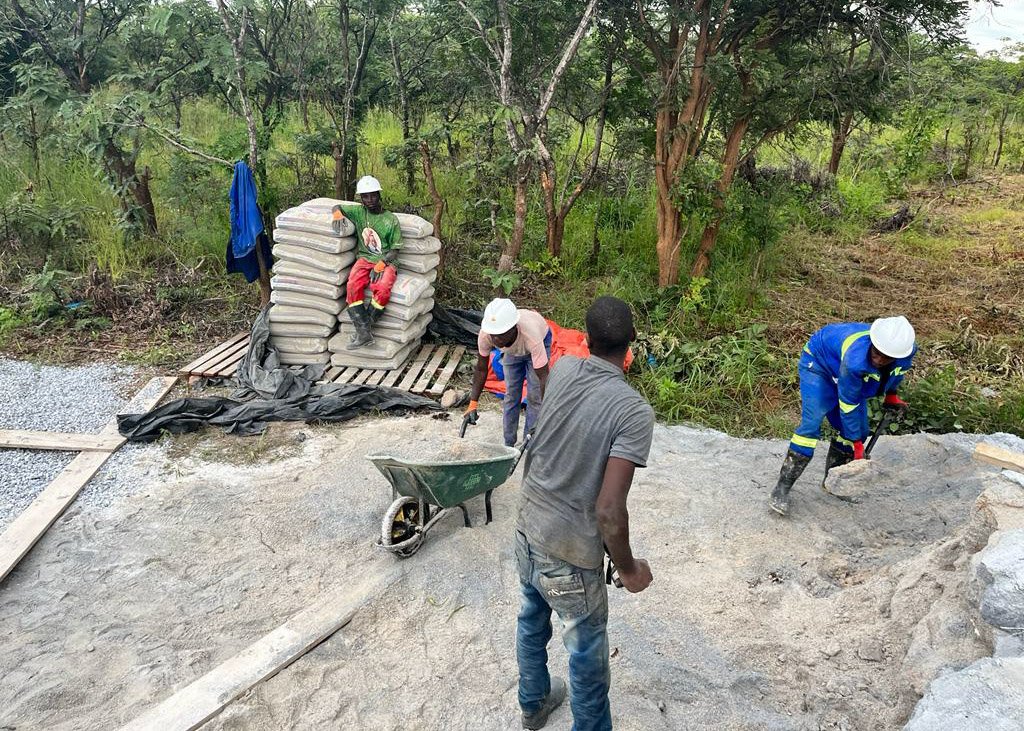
<point x="425" y="491"/>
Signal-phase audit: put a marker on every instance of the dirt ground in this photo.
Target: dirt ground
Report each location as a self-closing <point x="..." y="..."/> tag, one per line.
<point x="832" y="619"/>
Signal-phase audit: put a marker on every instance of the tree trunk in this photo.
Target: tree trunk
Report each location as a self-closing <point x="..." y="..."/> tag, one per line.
<point x="1002" y="133"/>
<point x="428" y="176"/>
<point x="514" y="245"/>
<point x="552" y="229"/>
<point x="840" y="133"/>
<point x="133" y="189"/>
<point x="730" y="158"/>
<point x="349" y="184"/>
<point x="339" y="171"/>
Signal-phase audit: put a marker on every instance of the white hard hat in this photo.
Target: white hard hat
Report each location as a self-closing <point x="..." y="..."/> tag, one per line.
<point x="500" y="316"/>
<point x="367" y="184"/>
<point x="893" y="336"/>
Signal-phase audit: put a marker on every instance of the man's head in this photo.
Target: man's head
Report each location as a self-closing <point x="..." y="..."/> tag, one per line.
<point x="892" y="338"/>
<point x="368" y="189"/>
<point x="609" y="327"/>
<point x="501" y="322"/>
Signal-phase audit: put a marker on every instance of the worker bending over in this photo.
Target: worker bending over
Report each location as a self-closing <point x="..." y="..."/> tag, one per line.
<point x="524" y="338"/>
<point x="595" y="430"/>
<point x="380" y="238"/>
<point x="841" y="367"/>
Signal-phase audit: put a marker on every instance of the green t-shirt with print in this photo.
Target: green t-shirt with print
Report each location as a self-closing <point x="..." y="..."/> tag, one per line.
<point x="377" y="233"/>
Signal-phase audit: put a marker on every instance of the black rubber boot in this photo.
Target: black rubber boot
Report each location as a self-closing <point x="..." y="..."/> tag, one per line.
<point x="372" y="315"/>
<point x="792" y="468"/>
<point x="361" y="322"/>
<point x="837" y="457"/>
<point x="553" y="700"/>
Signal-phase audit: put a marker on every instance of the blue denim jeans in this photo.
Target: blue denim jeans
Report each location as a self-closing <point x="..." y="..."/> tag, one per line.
<point x="580" y="598"/>
<point x="519" y="369"/>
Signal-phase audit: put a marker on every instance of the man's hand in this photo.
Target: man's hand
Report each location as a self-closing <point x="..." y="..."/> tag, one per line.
<point x="639" y="578"/>
<point x="858" y="450"/>
<point x="472" y="415"/>
<point x="892" y="402"/>
<point x="378" y="271"/>
<point x="337" y="216"/>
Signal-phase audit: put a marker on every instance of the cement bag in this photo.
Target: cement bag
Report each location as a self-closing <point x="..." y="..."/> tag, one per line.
<point x="428" y="245"/>
<point x="300" y="330"/>
<point x="408" y="288"/>
<point x="379" y="349"/>
<point x="399" y="314"/>
<point x="304" y="358"/>
<point x="311" y="220"/>
<point x="297" y="299"/>
<point x="288" y="283"/>
<point x="298" y="345"/>
<point x="413" y="226"/>
<point x="413" y="331"/>
<point x="418" y="263"/>
<point x="317" y="242"/>
<point x="294" y="269"/>
<point x="357" y="359"/>
<point x="315" y="259"/>
<point x="300" y="316"/>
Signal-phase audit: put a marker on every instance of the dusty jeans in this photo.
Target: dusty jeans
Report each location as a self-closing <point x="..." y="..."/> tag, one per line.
<point x="518" y="369"/>
<point x="580" y="598"/>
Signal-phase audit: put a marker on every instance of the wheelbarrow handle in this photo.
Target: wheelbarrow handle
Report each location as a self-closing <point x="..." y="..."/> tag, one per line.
<point x="467" y="420"/>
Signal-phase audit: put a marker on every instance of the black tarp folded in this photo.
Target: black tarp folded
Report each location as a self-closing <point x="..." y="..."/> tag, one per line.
<point x="454" y="325"/>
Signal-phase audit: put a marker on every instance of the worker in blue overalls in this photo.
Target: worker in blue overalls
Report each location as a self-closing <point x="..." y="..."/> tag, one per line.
<point x="841" y="367"/>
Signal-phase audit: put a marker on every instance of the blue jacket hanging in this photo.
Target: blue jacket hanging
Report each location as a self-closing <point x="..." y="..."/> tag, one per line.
<point x="246" y="226"/>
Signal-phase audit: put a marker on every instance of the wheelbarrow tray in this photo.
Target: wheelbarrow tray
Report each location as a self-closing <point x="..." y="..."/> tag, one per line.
<point x="447" y="483"/>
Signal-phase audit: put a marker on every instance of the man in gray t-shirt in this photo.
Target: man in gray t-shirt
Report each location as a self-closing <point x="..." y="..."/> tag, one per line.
<point x="594" y="431"/>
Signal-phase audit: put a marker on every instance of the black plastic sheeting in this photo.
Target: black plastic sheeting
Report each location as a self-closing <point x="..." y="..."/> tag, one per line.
<point x="269" y="392"/>
<point x="455" y="325"/>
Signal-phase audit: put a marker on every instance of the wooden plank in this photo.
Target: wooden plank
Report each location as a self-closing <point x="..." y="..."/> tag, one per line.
<point x="230" y="356"/>
<point x="428" y="372"/>
<point x="347" y="375"/>
<point x="392" y="376"/>
<point x="23" y="532"/>
<point x="414" y="369"/>
<point x="446" y="375"/>
<point x="332" y="373"/>
<point x="23" y="439"/>
<point x="205" y="358"/>
<point x="363" y="375"/>
<point x="999" y="457"/>
<point x="201" y="700"/>
<point x="375" y="378"/>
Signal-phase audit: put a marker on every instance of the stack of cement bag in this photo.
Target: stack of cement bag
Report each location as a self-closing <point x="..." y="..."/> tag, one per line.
<point x="308" y="286"/>
<point x="404" y="321"/>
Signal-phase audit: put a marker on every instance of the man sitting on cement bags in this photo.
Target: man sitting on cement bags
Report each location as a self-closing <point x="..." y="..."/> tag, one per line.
<point x="524" y="338"/>
<point x="380" y="238"/>
<point x="842" y="366"/>
<point x="594" y="432"/>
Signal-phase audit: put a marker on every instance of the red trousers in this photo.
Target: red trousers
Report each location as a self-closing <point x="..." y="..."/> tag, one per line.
<point x="359" y="278"/>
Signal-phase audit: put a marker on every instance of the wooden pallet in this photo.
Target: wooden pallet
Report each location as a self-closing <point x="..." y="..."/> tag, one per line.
<point x="427" y="372"/>
<point x="221" y="361"/>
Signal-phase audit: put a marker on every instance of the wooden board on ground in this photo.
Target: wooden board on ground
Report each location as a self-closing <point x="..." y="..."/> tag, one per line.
<point x="23" y="532"/>
<point x="24" y="439"/>
<point x="206" y="359"/>
<point x="414" y="369"/>
<point x="428" y="371"/>
<point x="347" y="375"/>
<point x="198" y="702"/>
<point x="999" y="457"/>
<point x="362" y="376"/>
<point x="376" y="377"/>
<point x="446" y="375"/>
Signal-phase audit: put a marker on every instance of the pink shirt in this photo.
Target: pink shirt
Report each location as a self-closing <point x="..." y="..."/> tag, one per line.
<point x="533" y="328"/>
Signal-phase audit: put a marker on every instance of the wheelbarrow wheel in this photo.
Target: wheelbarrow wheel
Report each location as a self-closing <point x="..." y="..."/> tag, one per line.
<point x="401" y="530"/>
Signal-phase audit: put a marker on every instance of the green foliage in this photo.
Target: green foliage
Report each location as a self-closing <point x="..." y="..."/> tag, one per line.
<point x="503" y="281"/>
<point x="9" y="322"/>
<point x="918" y="125"/>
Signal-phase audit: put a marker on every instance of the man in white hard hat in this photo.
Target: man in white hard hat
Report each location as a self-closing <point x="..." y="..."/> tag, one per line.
<point x="524" y="338"/>
<point x="841" y="367"/>
<point x="380" y="238"/>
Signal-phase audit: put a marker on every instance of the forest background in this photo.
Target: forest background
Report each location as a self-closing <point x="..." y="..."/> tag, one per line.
<point x="740" y="171"/>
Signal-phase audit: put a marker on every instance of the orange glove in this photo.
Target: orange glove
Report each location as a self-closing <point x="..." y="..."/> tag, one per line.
<point x="336" y="218"/>
<point x="378" y="270"/>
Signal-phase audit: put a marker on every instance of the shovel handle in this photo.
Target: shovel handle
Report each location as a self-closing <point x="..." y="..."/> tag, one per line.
<point x="883" y="424"/>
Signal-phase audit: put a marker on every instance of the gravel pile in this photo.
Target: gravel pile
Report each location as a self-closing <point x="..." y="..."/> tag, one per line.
<point x="442" y="448"/>
<point x="51" y="398"/>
